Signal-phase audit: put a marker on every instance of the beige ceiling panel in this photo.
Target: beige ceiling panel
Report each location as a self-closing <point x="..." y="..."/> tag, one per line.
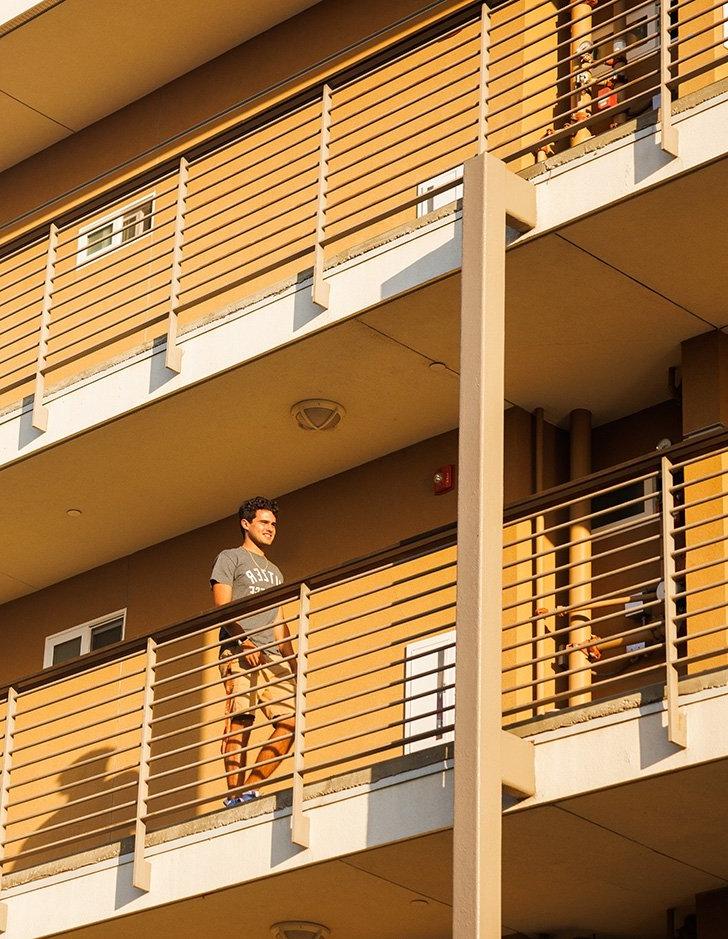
<point x="580" y="334"/>
<point x="352" y="903"/>
<point x="670" y="238"/>
<point x="696" y="833"/>
<point x="182" y="463"/>
<point x="25" y="131"/>
<point x="97" y="57"/>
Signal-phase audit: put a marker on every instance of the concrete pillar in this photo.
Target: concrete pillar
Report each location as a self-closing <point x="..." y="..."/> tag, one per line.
<point x="580" y="557"/>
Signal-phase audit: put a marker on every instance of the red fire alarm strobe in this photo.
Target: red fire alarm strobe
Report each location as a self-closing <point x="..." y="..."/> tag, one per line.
<point x="444" y="480"/>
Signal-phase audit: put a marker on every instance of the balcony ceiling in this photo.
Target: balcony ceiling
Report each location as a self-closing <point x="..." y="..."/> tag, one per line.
<point x="67" y="63"/>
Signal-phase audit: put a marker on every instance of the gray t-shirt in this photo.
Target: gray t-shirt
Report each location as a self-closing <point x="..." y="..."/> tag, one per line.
<point x="248" y="574"/>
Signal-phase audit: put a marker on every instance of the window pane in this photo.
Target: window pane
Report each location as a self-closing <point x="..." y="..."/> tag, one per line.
<point x="137" y="222"/>
<point x="100" y="238"/>
<point x="65" y="651"/>
<point x="106" y="634"/>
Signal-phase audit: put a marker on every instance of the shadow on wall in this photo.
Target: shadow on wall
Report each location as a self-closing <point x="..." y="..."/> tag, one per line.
<point x="84" y="806"/>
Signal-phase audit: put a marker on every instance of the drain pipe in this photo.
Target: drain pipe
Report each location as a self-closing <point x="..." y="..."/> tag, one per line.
<point x="580" y="558"/>
<point x="582" y="51"/>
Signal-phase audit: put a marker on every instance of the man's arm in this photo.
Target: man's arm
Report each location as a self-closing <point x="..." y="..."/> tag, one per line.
<point x="221" y="595"/>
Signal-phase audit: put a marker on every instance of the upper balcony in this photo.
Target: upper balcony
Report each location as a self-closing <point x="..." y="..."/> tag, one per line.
<point x="309" y="211"/>
<point x="629" y="562"/>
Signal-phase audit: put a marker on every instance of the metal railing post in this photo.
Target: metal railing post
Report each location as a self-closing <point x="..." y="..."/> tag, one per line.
<point x="40" y="411"/>
<point x="321" y="289"/>
<point x="12" y="710"/>
<point x="300" y="824"/>
<point x="173" y="355"/>
<point x="668" y="133"/>
<point x="142" y="868"/>
<point x="676" y="723"/>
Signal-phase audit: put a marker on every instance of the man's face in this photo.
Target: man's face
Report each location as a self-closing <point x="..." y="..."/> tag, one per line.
<point x="262" y="530"/>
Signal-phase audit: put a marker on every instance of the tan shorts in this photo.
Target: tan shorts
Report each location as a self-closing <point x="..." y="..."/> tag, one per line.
<point x="246" y="696"/>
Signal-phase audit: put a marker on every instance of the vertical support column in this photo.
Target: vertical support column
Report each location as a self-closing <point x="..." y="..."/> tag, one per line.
<point x="300" y="823"/>
<point x="40" y="411"/>
<point x="668" y="133"/>
<point x="142" y="868"/>
<point x="582" y="50"/>
<point x="12" y="710"/>
<point x="320" y="292"/>
<point x="490" y="194"/>
<point x="173" y="355"/>
<point x="580" y="557"/>
<point x="483" y="79"/>
<point x="676" y="723"/>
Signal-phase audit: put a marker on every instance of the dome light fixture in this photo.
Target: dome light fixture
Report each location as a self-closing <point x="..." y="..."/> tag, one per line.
<point x="317" y="414"/>
<point x="299" y="930"/>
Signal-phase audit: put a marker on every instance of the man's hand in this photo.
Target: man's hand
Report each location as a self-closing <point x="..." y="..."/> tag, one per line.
<point x="252" y="656"/>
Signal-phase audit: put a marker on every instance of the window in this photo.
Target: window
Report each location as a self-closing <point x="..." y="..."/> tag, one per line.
<point x="644" y="491"/>
<point x="641" y="23"/>
<point x="440" y="199"/>
<point x="112" y="232"/>
<point x="429" y="691"/>
<point x="88" y="637"/>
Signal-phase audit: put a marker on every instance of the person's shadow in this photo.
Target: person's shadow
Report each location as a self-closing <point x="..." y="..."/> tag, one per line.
<point x="84" y="807"/>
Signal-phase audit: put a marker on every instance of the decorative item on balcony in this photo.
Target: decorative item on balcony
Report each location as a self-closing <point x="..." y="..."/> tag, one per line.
<point x="317" y="414"/>
<point x="299" y="930"/>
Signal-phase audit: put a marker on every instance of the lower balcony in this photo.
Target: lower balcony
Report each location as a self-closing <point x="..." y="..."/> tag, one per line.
<point x="614" y="624"/>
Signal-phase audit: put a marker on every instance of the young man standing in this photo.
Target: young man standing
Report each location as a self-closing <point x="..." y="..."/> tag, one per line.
<point x="255" y="677"/>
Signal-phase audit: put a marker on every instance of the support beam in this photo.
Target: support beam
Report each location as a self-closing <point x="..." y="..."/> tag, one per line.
<point x="491" y="195"/>
<point x="300" y="827"/>
<point x="10" y="714"/>
<point x="518" y="765"/>
<point x="320" y="285"/>
<point x="173" y="355"/>
<point x="142" y="873"/>
<point x="40" y="411"/>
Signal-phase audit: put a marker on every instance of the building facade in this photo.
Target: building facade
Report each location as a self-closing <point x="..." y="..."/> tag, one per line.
<point x="445" y="279"/>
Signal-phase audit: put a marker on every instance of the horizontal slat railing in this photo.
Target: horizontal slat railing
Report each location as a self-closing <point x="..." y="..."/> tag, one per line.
<point x="372" y="151"/>
<point x="609" y="587"/>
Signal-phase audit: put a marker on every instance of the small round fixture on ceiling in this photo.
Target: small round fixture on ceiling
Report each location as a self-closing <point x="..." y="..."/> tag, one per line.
<point x="73" y="513"/>
<point x="664" y="444"/>
<point x="438" y="367"/>
<point x="317" y="414"/>
<point x="419" y="901"/>
<point x="299" y="930"/>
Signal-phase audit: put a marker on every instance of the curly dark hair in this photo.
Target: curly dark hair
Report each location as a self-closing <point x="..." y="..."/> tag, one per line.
<point x="249" y="509"/>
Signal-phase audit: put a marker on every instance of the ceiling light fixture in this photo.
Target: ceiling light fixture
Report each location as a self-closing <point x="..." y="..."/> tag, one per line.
<point x="317" y="414"/>
<point x="438" y="367"/>
<point x="299" y="930"/>
<point x="73" y="513"/>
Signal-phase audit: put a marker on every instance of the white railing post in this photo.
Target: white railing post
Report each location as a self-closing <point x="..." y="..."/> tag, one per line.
<point x="173" y="355"/>
<point x="12" y="710"/>
<point x="676" y="723"/>
<point x="142" y="868"/>
<point x="300" y="825"/>
<point x="321" y="291"/>
<point x="668" y="132"/>
<point x="40" y="411"/>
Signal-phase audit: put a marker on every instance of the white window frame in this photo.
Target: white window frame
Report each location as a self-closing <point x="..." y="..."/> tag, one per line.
<point x="116" y="219"/>
<point x="650" y="507"/>
<point x="415" y="663"/>
<point x="83" y="630"/>
<point x="442" y="199"/>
